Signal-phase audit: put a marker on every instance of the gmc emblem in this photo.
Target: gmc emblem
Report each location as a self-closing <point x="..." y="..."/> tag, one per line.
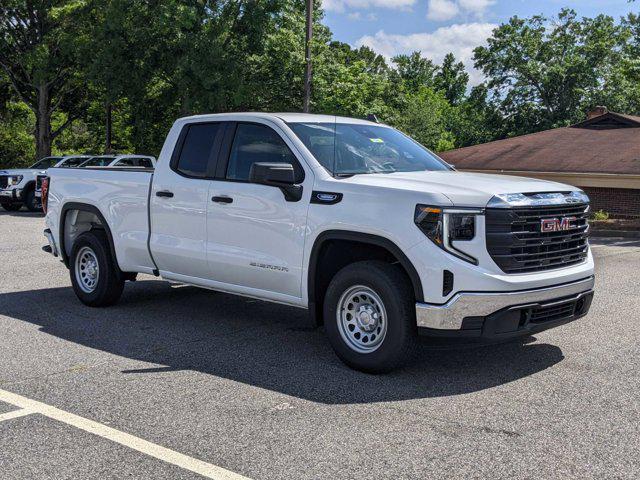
<point x="556" y="224"/>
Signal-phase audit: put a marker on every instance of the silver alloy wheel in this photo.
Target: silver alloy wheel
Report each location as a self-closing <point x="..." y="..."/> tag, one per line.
<point x="362" y="319"/>
<point x="87" y="269"/>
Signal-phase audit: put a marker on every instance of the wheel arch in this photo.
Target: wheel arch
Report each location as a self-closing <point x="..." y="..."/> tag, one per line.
<point x="87" y="208"/>
<point x="379" y="242"/>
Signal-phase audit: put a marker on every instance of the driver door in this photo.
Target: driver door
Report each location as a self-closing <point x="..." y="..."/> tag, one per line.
<point x="255" y="237"/>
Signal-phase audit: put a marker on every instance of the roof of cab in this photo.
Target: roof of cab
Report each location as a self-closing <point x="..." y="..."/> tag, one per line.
<point x="286" y="117"/>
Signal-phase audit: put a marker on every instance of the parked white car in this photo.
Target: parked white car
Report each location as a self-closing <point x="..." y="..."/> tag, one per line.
<point x="67" y="161"/>
<point x="120" y="161"/>
<point x="17" y="186"/>
<point x="371" y="232"/>
<point x="99" y="161"/>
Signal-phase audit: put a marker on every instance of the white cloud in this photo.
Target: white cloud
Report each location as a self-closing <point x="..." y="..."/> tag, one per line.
<point x="357" y="16"/>
<point x="443" y="10"/>
<point x="341" y="5"/>
<point x="475" y="6"/>
<point x="460" y="39"/>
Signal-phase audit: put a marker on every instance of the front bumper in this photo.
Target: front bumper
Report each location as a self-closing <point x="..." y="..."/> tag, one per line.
<point x="10" y="194"/>
<point x="503" y="314"/>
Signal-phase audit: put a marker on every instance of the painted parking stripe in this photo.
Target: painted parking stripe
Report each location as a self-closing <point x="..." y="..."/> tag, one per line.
<point x="21" y="412"/>
<point x="185" y="462"/>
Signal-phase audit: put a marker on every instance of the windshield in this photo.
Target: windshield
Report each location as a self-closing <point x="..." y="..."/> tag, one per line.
<point x="46" y="162"/>
<point x="98" y="162"/>
<point x="349" y="149"/>
<point x="72" y="162"/>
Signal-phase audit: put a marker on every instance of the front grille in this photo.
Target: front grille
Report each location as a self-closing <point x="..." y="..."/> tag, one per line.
<point x="4" y="181"/>
<point x="517" y="244"/>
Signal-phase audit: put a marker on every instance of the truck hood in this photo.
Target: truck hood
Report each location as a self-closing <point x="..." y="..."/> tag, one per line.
<point x="462" y="188"/>
<point x="19" y="171"/>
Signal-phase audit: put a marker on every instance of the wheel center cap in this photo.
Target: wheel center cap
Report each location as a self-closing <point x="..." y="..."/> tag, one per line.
<point x="91" y="270"/>
<point x="367" y="318"/>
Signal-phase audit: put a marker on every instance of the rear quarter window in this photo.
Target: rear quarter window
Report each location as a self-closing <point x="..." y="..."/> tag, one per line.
<point x="197" y="149"/>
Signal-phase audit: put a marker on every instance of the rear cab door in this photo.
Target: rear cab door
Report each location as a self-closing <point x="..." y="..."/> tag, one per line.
<point x="179" y="198"/>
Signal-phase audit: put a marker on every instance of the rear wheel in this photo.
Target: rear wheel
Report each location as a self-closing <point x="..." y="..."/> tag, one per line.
<point x="96" y="279"/>
<point x="369" y="313"/>
<point x="12" y="207"/>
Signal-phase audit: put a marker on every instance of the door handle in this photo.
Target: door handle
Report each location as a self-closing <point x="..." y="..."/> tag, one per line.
<point x="164" y="193"/>
<point x="222" y="199"/>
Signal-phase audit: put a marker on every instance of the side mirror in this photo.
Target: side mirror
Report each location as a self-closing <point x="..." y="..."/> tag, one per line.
<point x="280" y="175"/>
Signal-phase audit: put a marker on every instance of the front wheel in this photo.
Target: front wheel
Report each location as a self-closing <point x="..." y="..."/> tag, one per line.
<point x="12" y="207"/>
<point x="97" y="281"/>
<point x="31" y="202"/>
<point x="369" y="316"/>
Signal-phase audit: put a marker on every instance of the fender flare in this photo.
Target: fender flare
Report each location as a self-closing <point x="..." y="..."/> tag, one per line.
<point x="84" y="207"/>
<point x="363" y="238"/>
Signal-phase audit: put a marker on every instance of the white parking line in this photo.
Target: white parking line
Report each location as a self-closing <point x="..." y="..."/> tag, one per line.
<point x="15" y="414"/>
<point x="28" y="406"/>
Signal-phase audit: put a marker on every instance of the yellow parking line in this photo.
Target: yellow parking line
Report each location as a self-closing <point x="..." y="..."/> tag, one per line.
<point x="185" y="462"/>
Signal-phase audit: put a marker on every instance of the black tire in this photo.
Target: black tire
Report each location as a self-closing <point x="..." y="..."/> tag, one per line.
<point x="30" y="201"/>
<point x="109" y="280"/>
<point x="393" y="288"/>
<point x="12" y="207"/>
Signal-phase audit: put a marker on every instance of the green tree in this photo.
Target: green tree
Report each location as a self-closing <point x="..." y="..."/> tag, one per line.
<point x="38" y="54"/>
<point x="452" y="79"/>
<point x="415" y="71"/>
<point x="16" y="124"/>
<point x="475" y="119"/>
<point x="425" y="118"/>
<point x="541" y="70"/>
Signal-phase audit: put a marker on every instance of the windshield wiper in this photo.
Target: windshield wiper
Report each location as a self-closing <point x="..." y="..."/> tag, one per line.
<point x="351" y="174"/>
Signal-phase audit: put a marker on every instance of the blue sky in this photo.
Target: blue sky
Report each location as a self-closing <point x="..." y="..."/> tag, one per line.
<point x="437" y="27"/>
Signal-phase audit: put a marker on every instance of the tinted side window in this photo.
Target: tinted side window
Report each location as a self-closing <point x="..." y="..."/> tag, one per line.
<point x="196" y="149"/>
<point x="126" y="162"/>
<point x="257" y="143"/>
<point x="73" y="162"/>
<point x="145" y="162"/>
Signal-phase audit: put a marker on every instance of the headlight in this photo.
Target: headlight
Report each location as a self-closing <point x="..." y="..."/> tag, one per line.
<point x="445" y="225"/>
<point x="14" y="180"/>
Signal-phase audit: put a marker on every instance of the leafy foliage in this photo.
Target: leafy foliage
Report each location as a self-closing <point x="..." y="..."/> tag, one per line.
<point x="65" y="63"/>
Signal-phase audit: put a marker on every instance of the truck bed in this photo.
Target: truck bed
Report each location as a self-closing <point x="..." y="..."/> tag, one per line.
<point x="121" y="196"/>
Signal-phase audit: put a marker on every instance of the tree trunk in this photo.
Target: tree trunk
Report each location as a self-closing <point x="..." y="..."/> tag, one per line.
<point x="107" y="143"/>
<point x="43" y="123"/>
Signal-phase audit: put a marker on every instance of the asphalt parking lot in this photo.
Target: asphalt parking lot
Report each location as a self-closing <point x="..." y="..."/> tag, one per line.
<point x="177" y="382"/>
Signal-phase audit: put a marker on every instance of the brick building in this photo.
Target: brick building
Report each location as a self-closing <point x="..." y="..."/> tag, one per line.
<point x="601" y="155"/>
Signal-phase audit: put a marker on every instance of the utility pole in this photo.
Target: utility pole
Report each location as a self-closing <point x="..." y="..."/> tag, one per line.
<point x="306" y="105"/>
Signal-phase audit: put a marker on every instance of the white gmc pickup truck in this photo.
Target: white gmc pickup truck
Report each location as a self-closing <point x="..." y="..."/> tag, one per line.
<point x="372" y="233"/>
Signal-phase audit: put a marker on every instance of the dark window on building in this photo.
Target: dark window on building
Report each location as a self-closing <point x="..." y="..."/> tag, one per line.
<point x="257" y="144"/>
<point x="196" y="149"/>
